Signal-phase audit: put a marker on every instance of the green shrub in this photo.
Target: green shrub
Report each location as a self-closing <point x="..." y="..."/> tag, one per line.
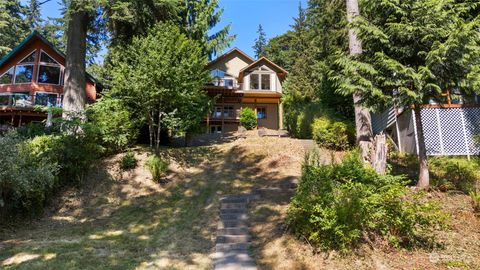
<point x="248" y="119"/>
<point x="475" y="201"/>
<point x="332" y="134"/>
<point x="128" y="161"/>
<point x="456" y="172"/>
<point x="26" y="179"/>
<point x="116" y="129"/>
<point x="157" y="167"/>
<point x="339" y="206"/>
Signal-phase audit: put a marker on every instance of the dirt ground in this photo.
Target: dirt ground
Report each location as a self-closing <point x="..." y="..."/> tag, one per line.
<point x="124" y="220"/>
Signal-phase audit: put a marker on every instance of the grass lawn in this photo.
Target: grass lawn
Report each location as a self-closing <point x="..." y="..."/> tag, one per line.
<point x="123" y="220"/>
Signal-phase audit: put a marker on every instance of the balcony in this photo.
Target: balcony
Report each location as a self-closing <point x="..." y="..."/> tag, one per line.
<point x="226" y="83"/>
<point x="27" y="101"/>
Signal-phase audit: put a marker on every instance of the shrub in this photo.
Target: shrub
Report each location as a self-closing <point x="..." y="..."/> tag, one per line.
<point x="26" y="179"/>
<point x="455" y="172"/>
<point x="157" y="167"/>
<point x="475" y="200"/>
<point x="332" y="134"/>
<point x="115" y="127"/>
<point x="248" y="119"/>
<point x="341" y="205"/>
<point x="128" y="161"/>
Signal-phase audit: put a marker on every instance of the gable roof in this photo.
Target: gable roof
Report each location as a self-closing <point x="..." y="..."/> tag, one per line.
<point x="30" y="37"/>
<point x="282" y="72"/>
<point x="225" y="55"/>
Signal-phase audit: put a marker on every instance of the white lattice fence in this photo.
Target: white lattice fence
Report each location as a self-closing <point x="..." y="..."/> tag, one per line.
<point x="451" y="131"/>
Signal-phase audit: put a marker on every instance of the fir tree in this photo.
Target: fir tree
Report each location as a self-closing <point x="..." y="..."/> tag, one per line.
<point x="260" y="43"/>
<point x="13" y="26"/>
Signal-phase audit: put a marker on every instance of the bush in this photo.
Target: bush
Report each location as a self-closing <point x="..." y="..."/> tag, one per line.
<point x="248" y="119"/>
<point x="128" y="161"/>
<point x="332" y="134"/>
<point x="475" y="201"/>
<point x="339" y="206"/>
<point x="455" y="172"/>
<point x="157" y="167"/>
<point x="26" y="179"/>
<point x="115" y="127"/>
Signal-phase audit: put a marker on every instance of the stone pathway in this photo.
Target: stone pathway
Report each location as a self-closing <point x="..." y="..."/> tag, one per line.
<point x="232" y="251"/>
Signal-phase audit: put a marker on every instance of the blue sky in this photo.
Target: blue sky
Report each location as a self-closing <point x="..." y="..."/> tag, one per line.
<point x="276" y="16"/>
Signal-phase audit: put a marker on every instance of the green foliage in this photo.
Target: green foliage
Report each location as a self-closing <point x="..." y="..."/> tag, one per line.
<point x="13" y="27"/>
<point x="160" y="79"/>
<point x="128" y="161"/>
<point x="331" y="134"/>
<point x="342" y="205"/>
<point x="115" y="124"/>
<point x="157" y="167"/>
<point x="248" y="119"/>
<point x="260" y="42"/>
<point x="26" y="179"/>
<point x="475" y="200"/>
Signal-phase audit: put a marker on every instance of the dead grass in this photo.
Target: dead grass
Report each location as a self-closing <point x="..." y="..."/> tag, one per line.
<point x="124" y="220"/>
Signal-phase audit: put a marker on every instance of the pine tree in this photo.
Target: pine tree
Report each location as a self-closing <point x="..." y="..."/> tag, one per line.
<point x="199" y="17"/>
<point x="414" y="50"/>
<point x="260" y="43"/>
<point x="13" y="27"/>
<point x="33" y="18"/>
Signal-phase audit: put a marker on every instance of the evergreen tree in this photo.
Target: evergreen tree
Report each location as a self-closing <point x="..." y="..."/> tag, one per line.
<point x="13" y="26"/>
<point x="33" y="18"/>
<point x="260" y="43"/>
<point x="414" y="50"/>
<point x="199" y="17"/>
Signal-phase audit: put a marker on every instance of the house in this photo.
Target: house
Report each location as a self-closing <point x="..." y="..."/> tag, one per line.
<point x="239" y="81"/>
<point x="450" y="126"/>
<point x="33" y="74"/>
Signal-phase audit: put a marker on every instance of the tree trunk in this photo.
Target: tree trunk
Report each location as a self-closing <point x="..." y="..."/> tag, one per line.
<point x="379" y="156"/>
<point x="75" y="79"/>
<point x="363" y="121"/>
<point x="424" y="176"/>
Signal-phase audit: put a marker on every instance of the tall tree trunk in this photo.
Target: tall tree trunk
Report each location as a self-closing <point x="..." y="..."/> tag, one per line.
<point x="75" y="82"/>
<point x="363" y="121"/>
<point x="424" y="176"/>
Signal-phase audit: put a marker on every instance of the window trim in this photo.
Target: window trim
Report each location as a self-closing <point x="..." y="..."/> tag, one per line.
<point x="15" y="73"/>
<point x="264" y="109"/>
<point x="259" y="81"/>
<point x="43" y="92"/>
<point x="34" y="51"/>
<point x="40" y="63"/>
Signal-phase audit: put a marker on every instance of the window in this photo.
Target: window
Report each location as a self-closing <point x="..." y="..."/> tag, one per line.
<point x="23" y="73"/>
<point x="217" y="73"/>
<point x="4" y="99"/>
<point x="49" y="74"/>
<point x="216" y="129"/>
<point x="217" y="112"/>
<point x="254" y="81"/>
<point x="260" y="81"/>
<point x="46" y="99"/>
<point x="7" y="77"/>
<point x="261" y="113"/>
<point x="228" y="82"/>
<point x="29" y="59"/>
<point x="21" y="99"/>
<point x="265" y="81"/>
<point x="228" y="112"/>
<point x="49" y="70"/>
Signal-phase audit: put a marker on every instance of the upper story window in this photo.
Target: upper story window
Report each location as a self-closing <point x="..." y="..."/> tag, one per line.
<point x="46" y="99"/>
<point x="24" y="69"/>
<point x="260" y="81"/>
<point x="49" y="70"/>
<point x="7" y="77"/>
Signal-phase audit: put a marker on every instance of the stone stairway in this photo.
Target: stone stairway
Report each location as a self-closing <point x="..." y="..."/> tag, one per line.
<point x="232" y="250"/>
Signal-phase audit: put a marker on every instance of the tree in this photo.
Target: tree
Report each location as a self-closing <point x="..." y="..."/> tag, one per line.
<point x="161" y="77"/>
<point x="13" y="26"/>
<point x="199" y="17"/>
<point x="414" y="50"/>
<point x="260" y="42"/>
<point x="363" y="121"/>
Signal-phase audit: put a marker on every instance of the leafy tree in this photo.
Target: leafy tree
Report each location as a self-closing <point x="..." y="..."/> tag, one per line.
<point x="260" y="42"/>
<point x="161" y="77"/>
<point x="199" y="17"/>
<point x="414" y="50"/>
<point x="248" y="119"/>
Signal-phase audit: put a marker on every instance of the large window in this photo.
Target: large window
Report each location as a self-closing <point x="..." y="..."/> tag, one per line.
<point x="46" y="99"/>
<point x="260" y="81"/>
<point x="228" y="112"/>
<point x="23" y="73"/>
<point x="49" y="70"/>
<point x="7" y="77"/>
<point x="21" y="99"/>
<point x="4" y="99"/>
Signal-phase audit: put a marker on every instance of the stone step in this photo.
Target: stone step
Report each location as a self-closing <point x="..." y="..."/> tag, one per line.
<point x="236" y="216"/>
<point x="233" y="211"/>
<point x="223" y="247"/>
<point x="231" y="239"/>
<point x="234" y="261"/>
<point x="233" y="205"/>
<point x="233" y="223"/>
<point x="233" y="231"/>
